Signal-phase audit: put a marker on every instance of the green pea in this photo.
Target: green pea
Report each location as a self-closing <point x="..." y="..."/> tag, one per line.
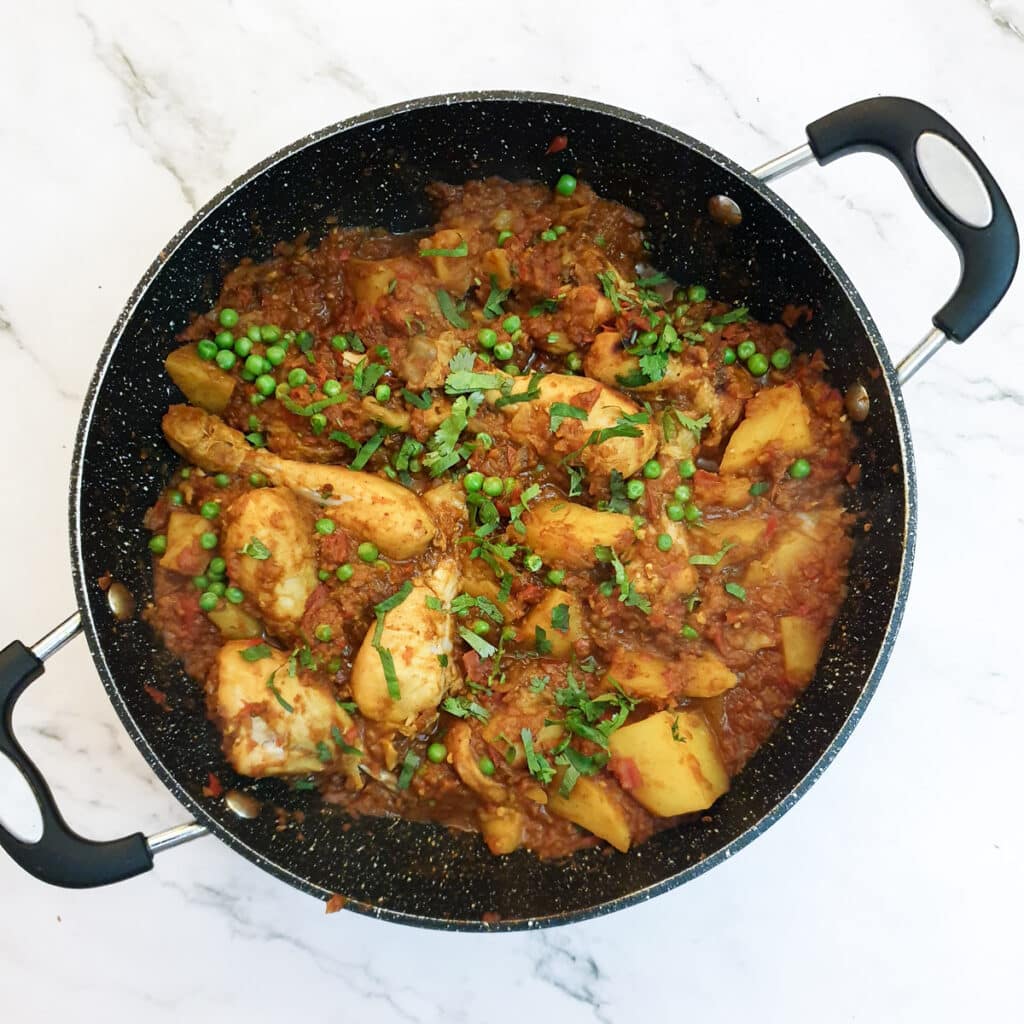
<point x="254" y="333"/>
<point x="217" y="587"/>
<point x="504" y="350"/>
<point x="415" y="465"/>
<point x="297" y="377"/>
<point x="683" y="493"/>
<point x="481" y="627"/>
<point x="556" y="577"/>
<point x="323" y="633"/>
<point x="228" y="317"/>
<point x="689" y="633"/>
<point x="781" y="359"/>
<point x="757" y="364"/>
<point x="512" y="323"/>
<point x="210" y="509"/>
<point x="607" y="588"/>
<point x="265" y="385"/>
<point x="675" y="513"/>
<point x="340" y="343"/>
<point x="158" y="544"/>
<point x="664" y="542"/>
<point x="243" y="347"/>
<point x="257" y="480"/>
<point x="323" y="575"/>
<point x="175" y="497"/>
<point x="208" y="601"/>
<point x="225" y="359"/>
<point x="270" y="333"/>
<point x="560" y="229"/>
<point x="647" y="339"/>
<point x="566" y="185"/>
<point x="729" y="356"/>
<point x="635" y="489"/>
<point x="367" y="551"/>
<point x="224" y="339"/>
<point x="533" y="562"/>
<point x="437" y="752"/>
<point x="574" y="361"/>
<point x="652" y="469"/>
<point x="208" y="541"/>
<point x="473" y="481"/>
<point x="382" y="392"/>
<point x="696" y="293"/>
<point x="217" y="566"/>
<point x="334" y="665"/>
<point x="332" y="388"/>
<point x="487" y="337"/>
<point x="486" y="765"/>
<point x="745" y="349"/>
<point x="206" y="349"/>
<point x="255" y="365"/>
<point x="222" y="479"/>
<point x="548" y="236"/>
<point x="512" y="369"/>
<point x="318" y="423"/>
<point x="200" y="582"/>
<point x="503" y="237"/>
<point x="691" y="513"/>
<point x="800" y="469"/>
<point x="324" y="526"/>
<point x="493" y="486"/>
<point x="186" y="473"/>
<point x="275" y="355"/>
<point x="344" y="573"/>
<point x="234" y="595"/>
<point x="687" y="468"/>
<point x="248" y="377"/>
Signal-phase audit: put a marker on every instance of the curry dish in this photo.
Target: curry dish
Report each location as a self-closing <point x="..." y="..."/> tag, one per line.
<point x="498" y="526"/>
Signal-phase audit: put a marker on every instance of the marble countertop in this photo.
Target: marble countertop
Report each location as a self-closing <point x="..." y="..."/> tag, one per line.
<point x="894" y="890"/>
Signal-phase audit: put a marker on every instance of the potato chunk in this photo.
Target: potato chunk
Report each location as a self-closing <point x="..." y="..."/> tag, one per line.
<point x="268" y="734"/>
<point x="592" y="805"/>
<point x="281" y="583"/>
<point x="183" y="552"/>
<point x="802" y="641"/>
<point x="530" y="423"/>
<point x="677" y="775"/>
<point x="776" y="421"/>
<point x="203" y="383"/>
<point x="502" y="828"/>
<point x="367" y="505"/>
<point x="540" y="616"/>
<point x="416" y="636"/>
<point x="646" y="675"/>
<point x="565" y="534"/>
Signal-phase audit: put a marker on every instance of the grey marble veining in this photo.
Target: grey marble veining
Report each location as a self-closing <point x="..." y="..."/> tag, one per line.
<point x="894" y="890"/>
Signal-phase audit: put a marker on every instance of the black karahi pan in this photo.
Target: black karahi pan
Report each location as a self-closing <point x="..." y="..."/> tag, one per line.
<point x="372" y="170"/>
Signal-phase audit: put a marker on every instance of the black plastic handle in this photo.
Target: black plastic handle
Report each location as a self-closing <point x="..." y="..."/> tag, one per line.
<point x="892" y="126"/>
<point x="60" y="856"/>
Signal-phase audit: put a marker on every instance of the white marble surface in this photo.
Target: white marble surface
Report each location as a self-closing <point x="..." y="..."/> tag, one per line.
<point x="895" y="890"/>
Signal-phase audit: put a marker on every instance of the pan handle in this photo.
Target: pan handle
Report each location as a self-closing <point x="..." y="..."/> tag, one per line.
<point x="61" y="856"/>
<point x="950" y="182"/>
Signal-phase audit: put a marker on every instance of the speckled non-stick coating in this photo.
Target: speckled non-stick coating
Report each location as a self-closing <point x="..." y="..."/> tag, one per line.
<point x="372" y="170"/>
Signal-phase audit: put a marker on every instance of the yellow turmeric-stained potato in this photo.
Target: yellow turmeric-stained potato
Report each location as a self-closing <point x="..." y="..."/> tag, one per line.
<point x="592" y="805"/>
<point x="184" y="553"/>
<point x="272" y="722"/>
<point x="234" y="623"/>
<point x="802" y="640"/>
<point x="608" y="361"/>
<point x="530" y="423"/>
<point x="268" y="544"/>
<point x="367" y="505"/>
<point x="677" y="758"/>
<point x="202" y="382"/>
<point x="565" y="534"/>
<point x="416" y="637"/>
<point x="369" y="280"/>
<point x="560" y="615"/>
<point x="503" y="828"/>
<point x="645" y="675"/>
<point x="776" y="421"/>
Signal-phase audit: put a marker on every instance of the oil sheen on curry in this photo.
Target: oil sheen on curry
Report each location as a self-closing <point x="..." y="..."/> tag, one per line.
<point x="497" y="526"/>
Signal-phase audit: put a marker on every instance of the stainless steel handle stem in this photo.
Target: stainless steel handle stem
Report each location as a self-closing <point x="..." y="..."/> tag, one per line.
<point x="57" y="638"/>
<point x="176" y="836"/>
<point x="933" y="340"/>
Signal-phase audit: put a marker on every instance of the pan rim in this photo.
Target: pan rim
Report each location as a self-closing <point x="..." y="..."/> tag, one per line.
<point x="635" y="120"/>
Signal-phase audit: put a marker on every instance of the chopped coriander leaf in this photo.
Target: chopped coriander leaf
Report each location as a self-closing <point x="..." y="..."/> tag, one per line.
<point x="409" y="765"/>
<point x="339" y="741"/>
<point x="343" y="438"/>
<point x="735" y="590"/>
<point x="256" y="549"/>
<point x="463" y="707"/>
<point x="734" y="316"/>
<point x="465" y="381"/>
<point x="576" y="474"/>
<point x="482" y="647"/>
<point x="537" y="763"/>
<point x="712" y="559"/>
<point x="256" y="652"/>
<point x="761" y="487"/>
<point x="538" y="683"/>
<point x="607" y="280"/>
<point x="532" y="391"/>
<point x="492" y="307"/>
<point x="689" y="633"/>
<point x="462" y="249"/>
<point x="676" y="734"/>
<point x="419" y="401"/>
<point x="560" y="618"/>
<point x="449" y="310"/>
<point x="277" y="693"/>
<point x="392" y="602"/>
<point x="561" y="411"/>
<point x="323" y="752"/>
<point x="694" y="426"/>
<point x="541" y="643"/>
<point x="306" y="785"/>
<point x="366" y="451"/>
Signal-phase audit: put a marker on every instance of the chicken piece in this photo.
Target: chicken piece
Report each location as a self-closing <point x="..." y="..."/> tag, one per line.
<point x="366" y="505"/>
<point x="274" y="723"/>
<point x="278" y="572"/>
<point x="530" y="422"/>
<point x="466" y="761"/>
<point x="608" y="361"/>
<point x="565" y="533"/>
<point x="423" y="362"/>
<point x="416" y="636"/>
